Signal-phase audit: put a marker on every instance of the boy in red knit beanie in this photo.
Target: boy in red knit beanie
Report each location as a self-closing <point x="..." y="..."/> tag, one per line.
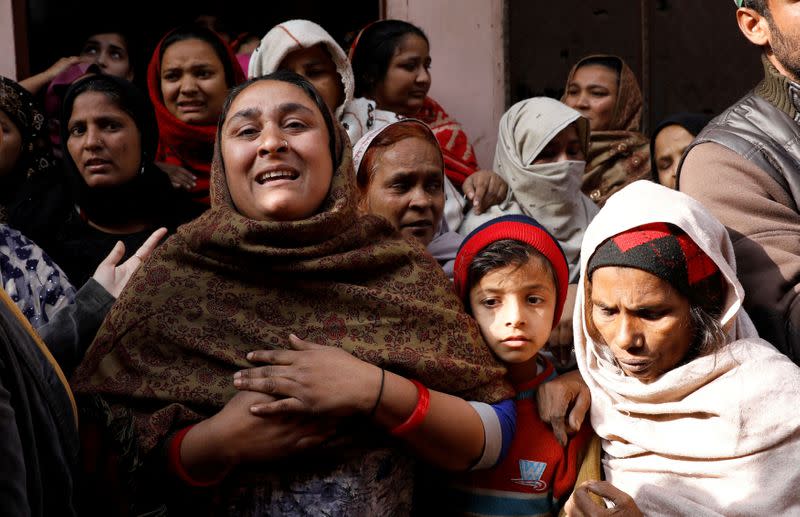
<point x="512" y="277"/>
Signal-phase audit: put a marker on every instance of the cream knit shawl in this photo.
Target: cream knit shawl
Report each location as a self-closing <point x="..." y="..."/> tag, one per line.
<point x="719" y="435"/>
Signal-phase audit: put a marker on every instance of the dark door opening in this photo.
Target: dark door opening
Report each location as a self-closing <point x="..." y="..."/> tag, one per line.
<point x="57" y="28"/>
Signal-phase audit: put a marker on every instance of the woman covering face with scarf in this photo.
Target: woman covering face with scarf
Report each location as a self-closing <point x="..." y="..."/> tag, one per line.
<point x="541" y="150"/>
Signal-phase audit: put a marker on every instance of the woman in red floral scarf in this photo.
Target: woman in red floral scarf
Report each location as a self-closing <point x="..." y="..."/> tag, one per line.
<point x="188" y="78"/>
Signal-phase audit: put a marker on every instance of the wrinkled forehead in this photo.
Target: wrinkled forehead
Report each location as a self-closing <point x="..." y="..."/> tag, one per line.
<point x="409" y="154"/>
<point x="270" y="97"/>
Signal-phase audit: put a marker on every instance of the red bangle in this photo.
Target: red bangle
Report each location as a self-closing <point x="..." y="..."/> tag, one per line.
<point x="418" y="415"/>
<point x="175" y="464"/>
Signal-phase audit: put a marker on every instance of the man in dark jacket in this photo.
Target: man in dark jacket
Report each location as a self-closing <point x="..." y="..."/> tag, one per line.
<point x="745" y="167"/>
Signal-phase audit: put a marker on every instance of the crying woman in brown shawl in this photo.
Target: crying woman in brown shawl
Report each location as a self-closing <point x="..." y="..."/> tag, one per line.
<point x="282" y="250"/>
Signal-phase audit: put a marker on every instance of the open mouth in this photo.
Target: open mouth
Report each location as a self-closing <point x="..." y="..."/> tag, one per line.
<point x="636" y="366"/>
<point x="422" y="224"/>
<point x="191" y="105"/>
<point x="95" y="163"/>
<point x="263" y="178"/>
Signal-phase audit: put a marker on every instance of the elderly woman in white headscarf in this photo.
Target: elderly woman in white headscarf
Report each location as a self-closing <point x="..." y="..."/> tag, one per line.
<point x="697" y="415"/>
<point x="400" y="176"/>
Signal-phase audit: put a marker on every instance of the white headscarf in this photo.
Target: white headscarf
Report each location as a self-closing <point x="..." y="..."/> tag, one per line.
<point x="293" y="35"/>
<point x="550" y="193"/>
<point x="719" y="435"/>
<point x="358" y="116"/>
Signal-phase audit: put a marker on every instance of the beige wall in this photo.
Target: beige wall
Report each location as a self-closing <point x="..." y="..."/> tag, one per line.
<point x="8" y="62"/>
<point x="468" y="66"/>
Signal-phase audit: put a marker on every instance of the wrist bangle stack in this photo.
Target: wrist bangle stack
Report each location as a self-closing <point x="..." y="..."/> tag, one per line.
<point x="418" y="415"/>
<point x="380" y="395"/>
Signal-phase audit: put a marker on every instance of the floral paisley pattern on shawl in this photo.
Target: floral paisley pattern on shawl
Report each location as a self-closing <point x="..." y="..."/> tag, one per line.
<point x="225" y="285"/>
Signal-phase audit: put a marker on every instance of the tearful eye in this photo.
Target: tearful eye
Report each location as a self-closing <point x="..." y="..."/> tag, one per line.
<point x="434" y="188"/>
<point x="295" y="124"/>
<point x="246" y="131"/>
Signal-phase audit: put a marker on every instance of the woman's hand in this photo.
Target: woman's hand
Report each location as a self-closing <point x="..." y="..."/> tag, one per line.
<point x="61" y="65"/>
<point x="554" y="399"/>
<point x="484" y="189"/>
<point x="36" y="82"/>
<point x="113" y="278"/>
<point x="178" y="176"/>
<point x="580" y="504"/>
<point x="312" y="378"/>
<point x="561" y="343"/>
<point x="234" y="436"/>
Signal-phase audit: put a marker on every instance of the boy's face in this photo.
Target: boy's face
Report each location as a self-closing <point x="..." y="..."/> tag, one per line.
<point x="514" y="307"/>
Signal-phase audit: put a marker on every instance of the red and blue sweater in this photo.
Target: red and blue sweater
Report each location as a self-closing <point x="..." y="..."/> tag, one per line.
<point x="536" y="473"/>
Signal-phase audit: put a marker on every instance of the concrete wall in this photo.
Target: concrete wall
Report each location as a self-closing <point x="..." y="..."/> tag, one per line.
<point x="468" y="64"/>
<point x="8" y="61"/>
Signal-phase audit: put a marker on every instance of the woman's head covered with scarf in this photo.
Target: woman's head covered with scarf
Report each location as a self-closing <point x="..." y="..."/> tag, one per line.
<point x="541" y="153"/>
<point x="254" y="271"/>
<point x="187" y="119"/>
<point x="669" y="140"/>
<point x="667" y="351"/>
<point x="307" y="49"/>
<point x="287" y="152"/>
<point x="406" y="186"/>
<point x="605" y="90"/>
<point x="25" y="152"/>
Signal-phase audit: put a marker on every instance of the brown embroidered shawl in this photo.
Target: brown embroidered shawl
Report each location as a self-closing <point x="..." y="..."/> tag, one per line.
<point x="224" y="285"/>
<point x="620" y="155"/>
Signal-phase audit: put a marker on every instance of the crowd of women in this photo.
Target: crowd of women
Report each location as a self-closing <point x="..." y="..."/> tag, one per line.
<point x="349" y="316"/>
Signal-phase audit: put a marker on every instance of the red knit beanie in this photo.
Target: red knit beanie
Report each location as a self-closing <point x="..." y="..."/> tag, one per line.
<point x="519" y="228"/>
<point x="661" y="249"/>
